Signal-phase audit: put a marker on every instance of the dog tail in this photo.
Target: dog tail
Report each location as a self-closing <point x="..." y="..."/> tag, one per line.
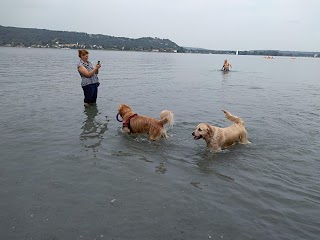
<point x="232" y="118"/>
<point x="167" y="117"/>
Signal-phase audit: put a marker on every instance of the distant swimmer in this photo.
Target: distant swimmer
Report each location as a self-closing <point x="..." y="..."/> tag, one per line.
<point x="226" y="66"/>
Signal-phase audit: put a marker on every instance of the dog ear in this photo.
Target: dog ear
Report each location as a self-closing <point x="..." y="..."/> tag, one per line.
<point x="210" y="131"/>
<point x="120" y="108"/>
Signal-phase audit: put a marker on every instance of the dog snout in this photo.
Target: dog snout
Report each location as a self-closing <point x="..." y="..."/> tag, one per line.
<point x="192" y="133"/>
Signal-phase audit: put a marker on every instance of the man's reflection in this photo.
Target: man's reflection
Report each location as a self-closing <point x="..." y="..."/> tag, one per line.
<point x="225" y="75"/>
<point x="93" y="129"/>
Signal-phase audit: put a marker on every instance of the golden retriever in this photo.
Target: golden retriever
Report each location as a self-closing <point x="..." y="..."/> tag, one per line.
<point x="220" y="138"/>
<point x="133" y="123"/>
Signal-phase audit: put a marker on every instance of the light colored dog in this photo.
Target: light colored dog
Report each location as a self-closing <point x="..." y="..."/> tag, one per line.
<point x="220" y="138"/>
<point x="133" y="123"/>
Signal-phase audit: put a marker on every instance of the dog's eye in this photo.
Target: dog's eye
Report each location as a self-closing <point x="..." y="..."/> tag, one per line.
<point x="199" y="129"/>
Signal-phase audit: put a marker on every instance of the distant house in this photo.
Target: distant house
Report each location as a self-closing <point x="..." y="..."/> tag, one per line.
<point x="70" y="45"/>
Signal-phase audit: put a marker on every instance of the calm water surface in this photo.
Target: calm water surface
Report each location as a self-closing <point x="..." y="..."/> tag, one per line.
<point x="69" y="173"/>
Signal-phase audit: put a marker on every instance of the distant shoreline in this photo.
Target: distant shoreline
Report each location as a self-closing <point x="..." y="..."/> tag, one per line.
<point x="43" y="38"/>
<point x="266" y="56"/>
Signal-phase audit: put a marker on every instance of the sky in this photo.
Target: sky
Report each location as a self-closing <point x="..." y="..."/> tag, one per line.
<point x="211" y="24"/>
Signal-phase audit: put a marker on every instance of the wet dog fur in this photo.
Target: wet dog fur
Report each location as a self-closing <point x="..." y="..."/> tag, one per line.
<point x="219" y="138"/>
<point x="143" y="124"/>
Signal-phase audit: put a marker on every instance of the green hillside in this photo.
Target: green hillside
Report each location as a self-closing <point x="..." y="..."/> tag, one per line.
<point x="26" y="37"/>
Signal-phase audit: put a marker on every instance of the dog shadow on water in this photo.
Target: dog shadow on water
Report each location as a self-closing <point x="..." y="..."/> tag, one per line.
<point x="93" y="129"/>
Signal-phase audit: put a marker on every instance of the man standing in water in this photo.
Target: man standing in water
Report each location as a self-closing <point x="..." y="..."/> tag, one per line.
<point x="226" y="66"/>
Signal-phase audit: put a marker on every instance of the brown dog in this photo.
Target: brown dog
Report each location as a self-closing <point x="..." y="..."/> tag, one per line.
<point x="220" y="138"/>
<point x="133" y="123"/>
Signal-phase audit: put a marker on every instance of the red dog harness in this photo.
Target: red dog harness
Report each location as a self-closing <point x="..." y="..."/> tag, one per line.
<point x="127" y="123"/>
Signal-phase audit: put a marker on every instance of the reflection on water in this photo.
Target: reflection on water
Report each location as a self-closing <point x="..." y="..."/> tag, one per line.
<point x="225" y="75"/>
<point x="161" y="169"/>
<point x="93" y="129"/>
<point x="207" y="162"/>
<point x="196" y="184"/>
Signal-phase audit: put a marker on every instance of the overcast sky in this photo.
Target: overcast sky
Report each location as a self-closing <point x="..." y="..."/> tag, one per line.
<point x="212" y="24"/>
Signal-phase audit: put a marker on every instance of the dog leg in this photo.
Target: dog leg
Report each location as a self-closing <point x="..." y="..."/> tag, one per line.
<point x="244" y="138"/>
<point x="216" y="149"/>
<point x="164" y="134"/>
<point x="126" y="130"/>
<point x="155" y="134"/>
<point x="153" y="137"/>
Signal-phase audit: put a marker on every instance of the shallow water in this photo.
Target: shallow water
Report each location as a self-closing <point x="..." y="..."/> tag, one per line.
<point x="69" y="173"/>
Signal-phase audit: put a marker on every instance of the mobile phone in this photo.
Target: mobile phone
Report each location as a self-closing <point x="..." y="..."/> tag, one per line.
<point x="99" y="62"/>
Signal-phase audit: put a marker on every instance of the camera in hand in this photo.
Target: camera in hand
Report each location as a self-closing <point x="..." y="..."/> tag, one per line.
<point x="99" y="62"/>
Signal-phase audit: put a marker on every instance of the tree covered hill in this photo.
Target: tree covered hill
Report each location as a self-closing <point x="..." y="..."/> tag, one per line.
<point x="26" y="37"/>
<point x="32" y="37"/>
